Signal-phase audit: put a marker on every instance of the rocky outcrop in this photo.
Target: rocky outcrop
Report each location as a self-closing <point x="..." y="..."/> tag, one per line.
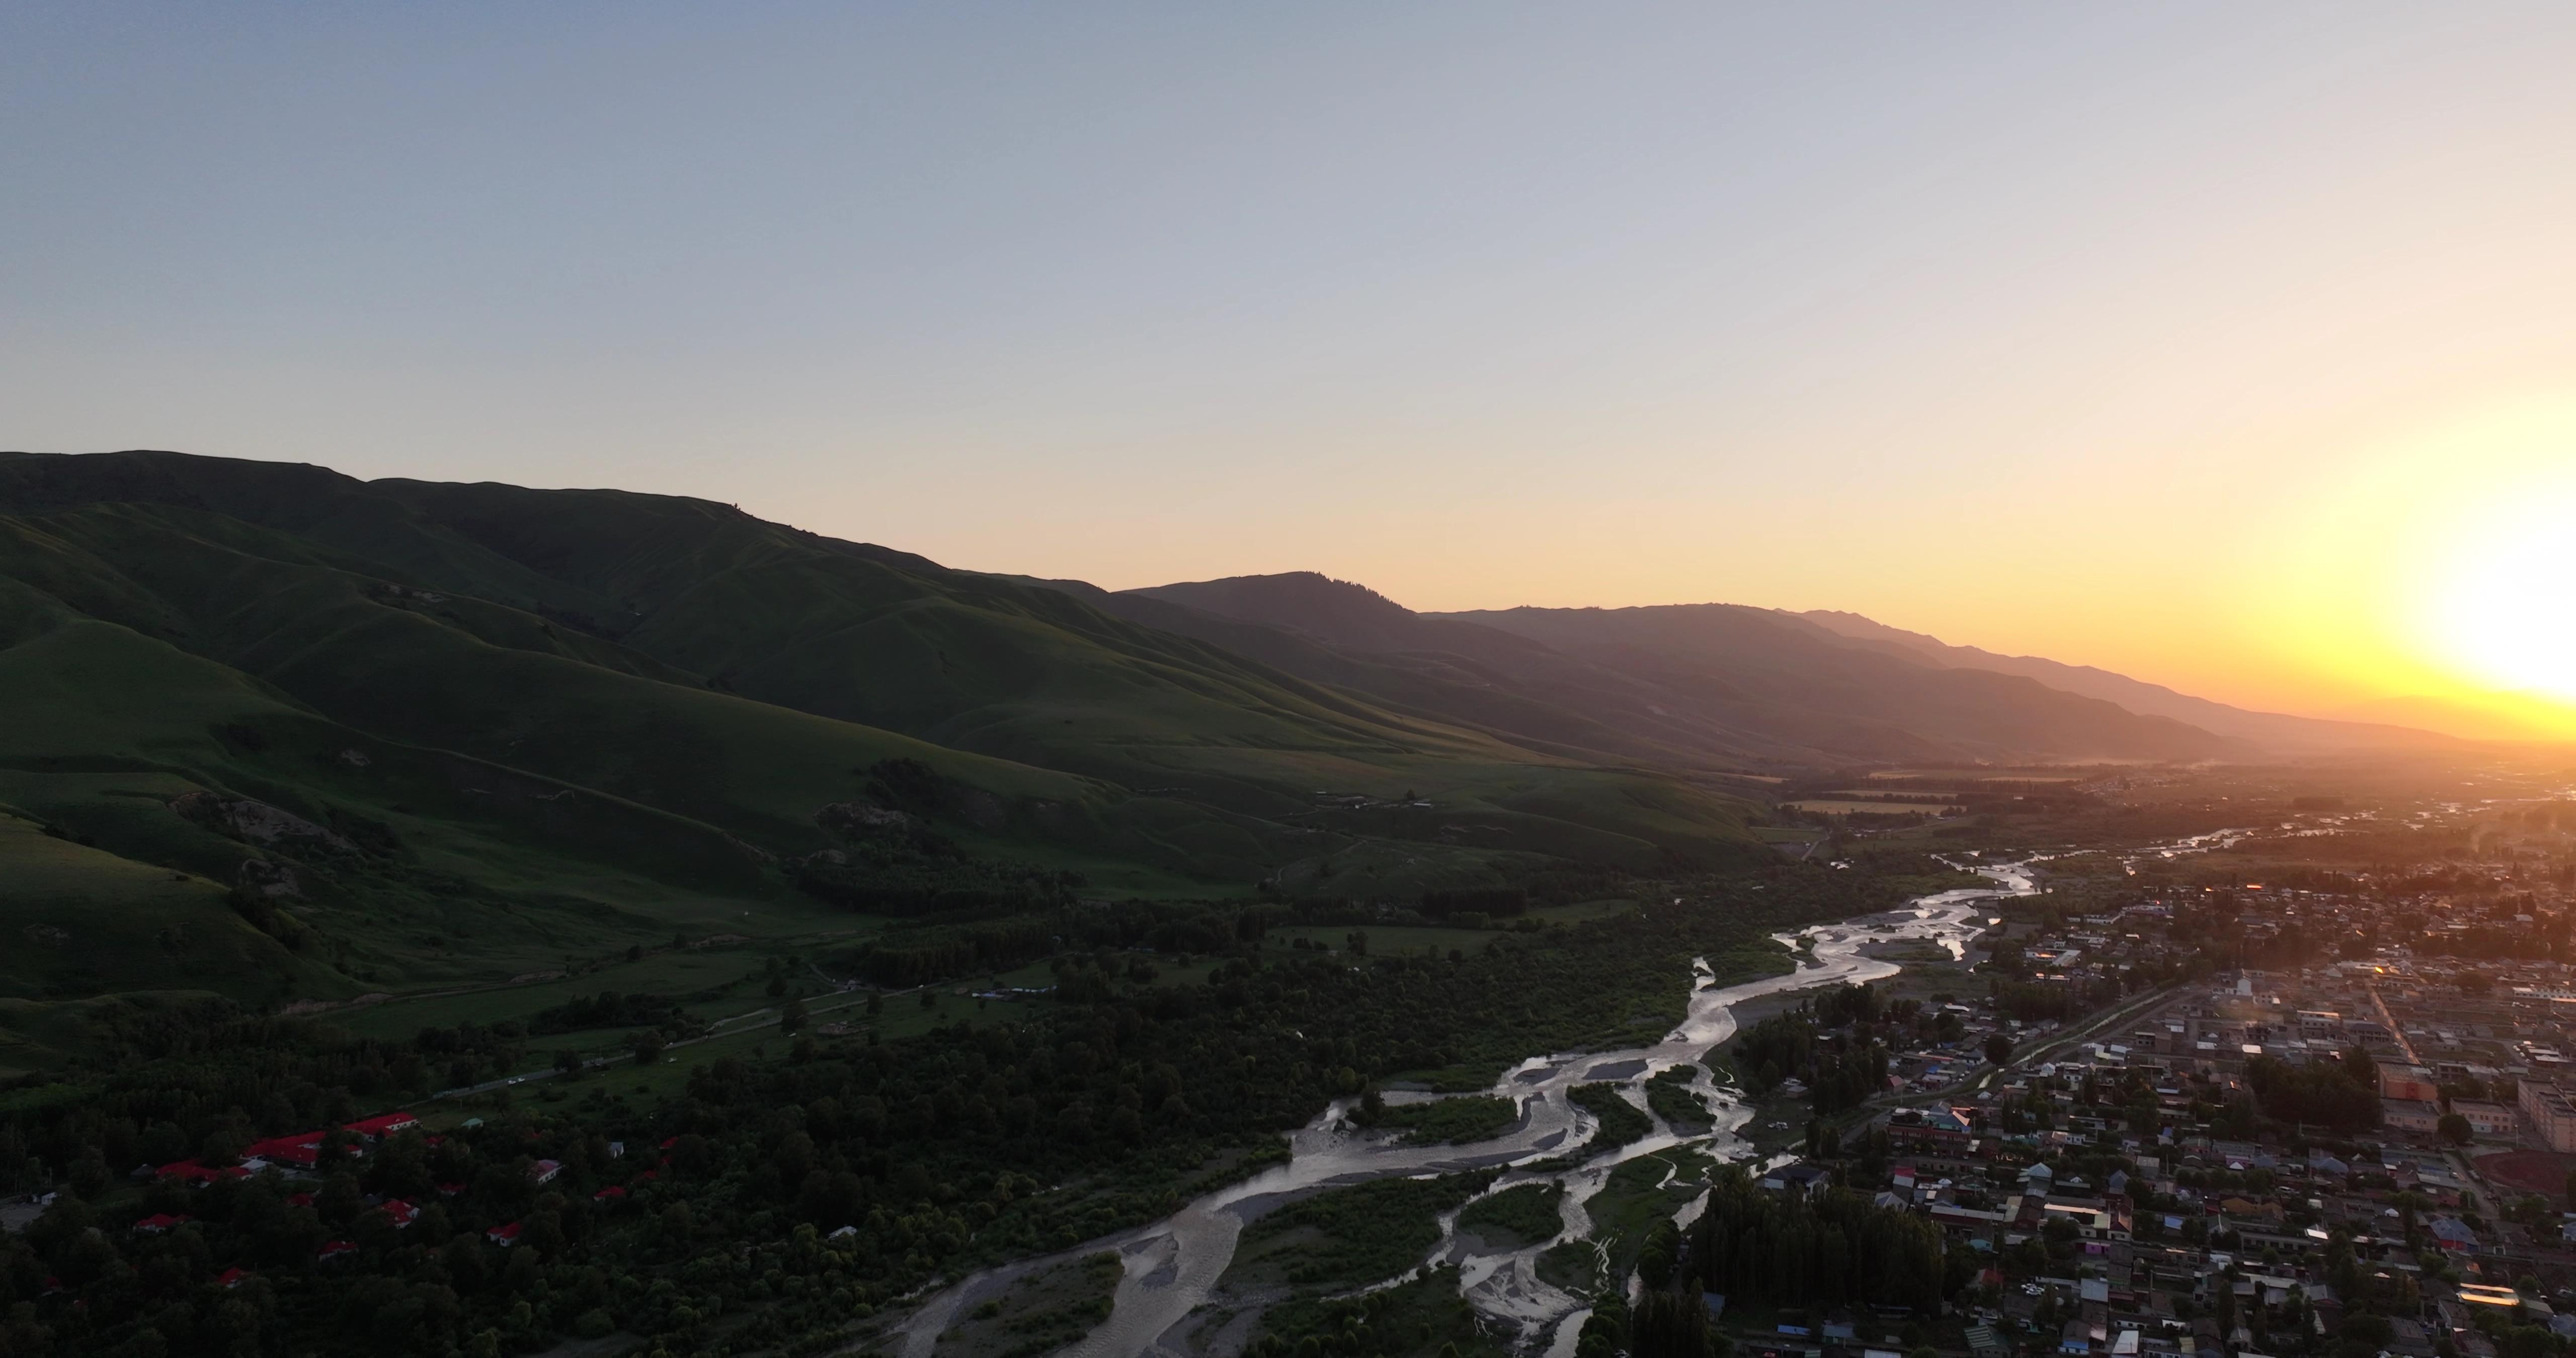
<point x="257" y="822"/>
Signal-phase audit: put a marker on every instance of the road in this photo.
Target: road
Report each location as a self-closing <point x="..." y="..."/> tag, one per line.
<point x="724" y="1027"/>
<point x="2057" y="1042"/>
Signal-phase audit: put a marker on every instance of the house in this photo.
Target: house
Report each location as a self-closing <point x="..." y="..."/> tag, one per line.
<point x="300" y="1151"/>
<point x="503" y="1236"/>
<point x="231" y="1278"/>
<point x="610" y="1194"/>
<point x="399" y="1212"/>
<point x="544" y="1171"/>
<point x="382" y="1125"/>
<point x="1929" y="1131"/>
<point x="157" y="1223"/>
<point x="336" y="1249"/>
<point x="1797" y="1179"/>
<point x="190" y="1172"/>
<point x="2454" y="1235"/>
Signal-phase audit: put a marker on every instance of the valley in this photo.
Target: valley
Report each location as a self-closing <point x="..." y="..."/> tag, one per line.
<point x="778" y="945"/>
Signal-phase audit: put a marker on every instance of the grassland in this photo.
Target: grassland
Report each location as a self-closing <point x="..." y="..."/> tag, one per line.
<point x="1639" y="1194"/>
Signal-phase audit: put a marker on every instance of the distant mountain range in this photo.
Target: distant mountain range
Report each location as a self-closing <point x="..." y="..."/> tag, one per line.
<point x="432" y="711"/>
<point x="1722" y="682"/>
<point x="2272" y="731"/>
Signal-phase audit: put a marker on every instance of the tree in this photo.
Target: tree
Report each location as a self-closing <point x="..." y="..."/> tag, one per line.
<point x="2455" y="1129"/>
<point x="791" y="1016"/>
<point x="647" y="1048"/>
<point x="1999" y="1049"/>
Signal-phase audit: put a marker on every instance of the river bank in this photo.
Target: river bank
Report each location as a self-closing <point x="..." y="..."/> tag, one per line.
<point x="1173" y="1268"/>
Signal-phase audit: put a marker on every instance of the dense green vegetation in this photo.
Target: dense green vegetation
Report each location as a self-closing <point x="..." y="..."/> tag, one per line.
<point x="1831" y="1043"/>
<point x="1830" y="1248"/>
<point x="2341" y="1094"/>
<point x="1515" y="1216"/>
<point x="1038" y="1314"/>
<point x="1669" y="1094"/>
<point x="1476" y="1117"/>
<point x="1620" y="1121"/>
<point x="1103" y="1105"/>
<point x="1347" y="1237"/>
<point x="1424" y="1318"/>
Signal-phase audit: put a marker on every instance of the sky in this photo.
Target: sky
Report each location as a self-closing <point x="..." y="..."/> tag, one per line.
<point x="2228" y="346"/>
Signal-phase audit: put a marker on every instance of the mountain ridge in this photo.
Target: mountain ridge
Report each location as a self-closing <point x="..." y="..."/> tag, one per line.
<point x="2276" y="729"/>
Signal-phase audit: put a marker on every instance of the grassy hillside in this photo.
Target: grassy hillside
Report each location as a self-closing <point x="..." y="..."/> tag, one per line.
<point x="358" y="737"/>
<point x="846" y="631"/>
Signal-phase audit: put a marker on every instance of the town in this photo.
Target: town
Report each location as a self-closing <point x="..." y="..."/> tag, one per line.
<point x="2334" y="1113"/>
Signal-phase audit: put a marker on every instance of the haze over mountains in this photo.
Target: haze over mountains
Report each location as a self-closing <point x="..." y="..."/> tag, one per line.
<point x="447" y="708"/>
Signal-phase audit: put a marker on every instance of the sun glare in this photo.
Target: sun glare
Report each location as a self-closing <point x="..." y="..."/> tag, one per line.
<point x="2507" y="610"/>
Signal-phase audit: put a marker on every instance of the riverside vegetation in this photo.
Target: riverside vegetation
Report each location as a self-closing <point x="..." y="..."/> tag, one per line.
<point x="721" y="1227"/>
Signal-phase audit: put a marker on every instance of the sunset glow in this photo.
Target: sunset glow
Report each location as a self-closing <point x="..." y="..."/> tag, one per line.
<point x="2507" y="609"/>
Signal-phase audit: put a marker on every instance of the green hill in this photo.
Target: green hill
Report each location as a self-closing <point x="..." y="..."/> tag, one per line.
<point x="410" y="735"/>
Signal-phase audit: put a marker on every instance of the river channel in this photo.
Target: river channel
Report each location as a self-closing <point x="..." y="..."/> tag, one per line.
<point x="1172" y="1266"/>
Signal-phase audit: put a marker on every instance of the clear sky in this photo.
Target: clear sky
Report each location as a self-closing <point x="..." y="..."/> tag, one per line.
<point x="2231" y="346"/>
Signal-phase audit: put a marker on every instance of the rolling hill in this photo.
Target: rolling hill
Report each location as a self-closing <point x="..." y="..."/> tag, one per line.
<point x="410" y="734"/>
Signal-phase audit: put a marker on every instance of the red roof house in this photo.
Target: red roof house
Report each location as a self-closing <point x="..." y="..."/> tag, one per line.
<point x="504" y="1236"/>
<point x="382" y="1125"/>
<point x="189" y="1171"/>
<point x="302" y="1150"/>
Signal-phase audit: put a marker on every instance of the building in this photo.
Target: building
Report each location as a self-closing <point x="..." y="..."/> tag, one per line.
<point x="382" y="1125"/>
<point x="2412" y="1115"/>
<point x="2408" y="1082"/>
<point x="2489" y="1119"/>
<point x="2550" y="1114"/>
